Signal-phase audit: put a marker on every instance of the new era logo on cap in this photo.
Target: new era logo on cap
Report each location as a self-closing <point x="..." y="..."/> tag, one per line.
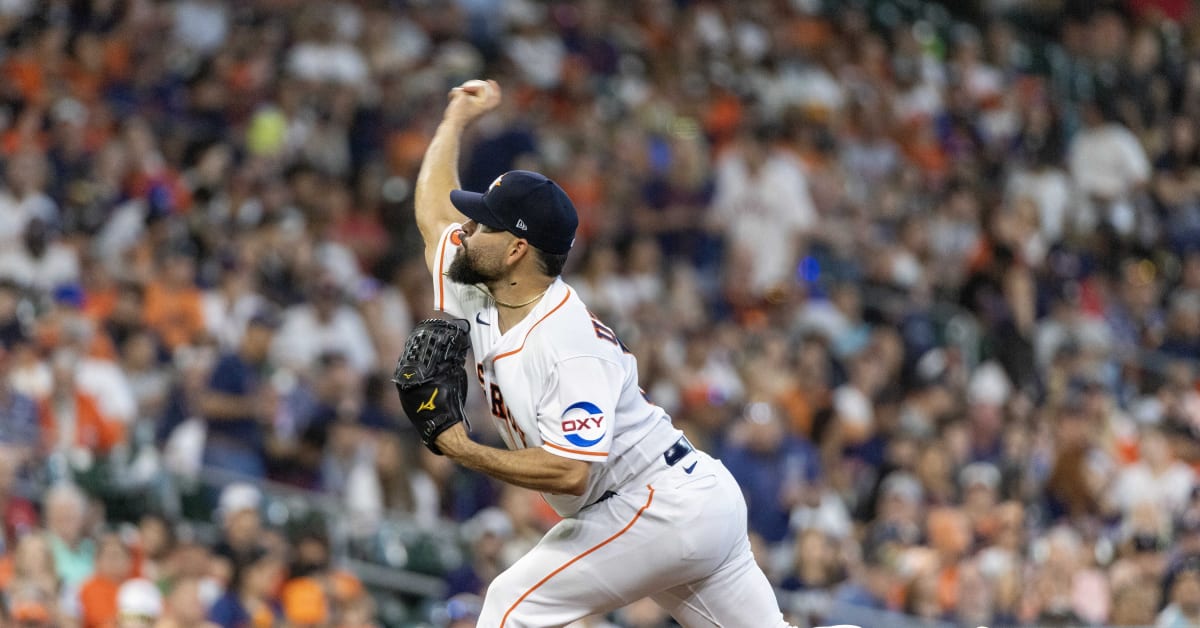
<point x="519" y="193"/>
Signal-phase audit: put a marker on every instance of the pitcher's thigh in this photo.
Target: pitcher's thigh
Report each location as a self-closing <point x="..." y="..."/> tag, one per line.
<point x="602" y="560"/>
<point x="737" y="596"/>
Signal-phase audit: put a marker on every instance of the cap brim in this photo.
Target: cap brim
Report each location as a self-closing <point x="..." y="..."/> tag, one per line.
<point x="472" y="205"/>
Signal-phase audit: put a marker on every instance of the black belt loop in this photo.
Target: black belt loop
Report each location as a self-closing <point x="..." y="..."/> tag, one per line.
<point x="606" y="495"/>
<point x="672" y="455"/>
<point x="676" y="452"/>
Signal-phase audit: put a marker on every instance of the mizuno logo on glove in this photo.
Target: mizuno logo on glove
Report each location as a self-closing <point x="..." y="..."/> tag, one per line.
<point x="430" y="379"/>
<point x="428" y="405"/>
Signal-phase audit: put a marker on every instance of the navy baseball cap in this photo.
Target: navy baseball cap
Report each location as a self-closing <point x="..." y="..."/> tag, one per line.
<point x="527" y="205"/>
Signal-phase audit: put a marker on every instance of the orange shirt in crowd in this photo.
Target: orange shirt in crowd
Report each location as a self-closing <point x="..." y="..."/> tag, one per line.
<point x="93" y="431"/>
<point x="305" y="602"/>
<point x="947" y="587"/>
<point x="98" y="596"/>
<point x="723" y="118"/>
<point x="800" y="408"/>
<point x="98" y="305"/>
<point x="25" y="75"/>
<point x="8" y="570"/>
<point x="177" y="315"/>
<point x="585" y="186"/>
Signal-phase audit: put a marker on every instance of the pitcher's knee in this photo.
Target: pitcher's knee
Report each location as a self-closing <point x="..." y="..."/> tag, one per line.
<point x="501" y="600"/>
<point x="505" y="587"/>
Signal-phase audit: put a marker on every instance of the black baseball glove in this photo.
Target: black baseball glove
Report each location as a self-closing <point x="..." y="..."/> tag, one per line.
<point x="430" y="377"/>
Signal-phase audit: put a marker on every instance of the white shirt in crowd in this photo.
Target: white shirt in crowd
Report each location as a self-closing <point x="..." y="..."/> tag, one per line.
<point x="539" y="56"/>
<point x="1050" y="190"/>
<point x="201" y="25"/>
<point x="1137" y="484"/>
<point x="303" y="338"/>
<point x="59" y="265"/>
<point x="15" y="213"/>
<point x="1108" y="161"/>
<point x="335" y="62"/>
<point x="227" y="321"/>
<point x="764" y="213"/>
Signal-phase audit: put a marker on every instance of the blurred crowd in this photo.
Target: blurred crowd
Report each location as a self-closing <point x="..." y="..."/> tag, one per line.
<point x="81" y="570"/>
<point x="925" y="276"/>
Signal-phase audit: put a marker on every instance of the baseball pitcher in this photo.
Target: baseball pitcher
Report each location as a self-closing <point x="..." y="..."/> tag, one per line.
<point x="645" y="513"/>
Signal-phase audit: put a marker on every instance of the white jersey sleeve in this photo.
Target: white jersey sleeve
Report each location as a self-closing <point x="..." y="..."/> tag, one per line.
<point x="576" y="417"/>
<point x="457" y="300"/>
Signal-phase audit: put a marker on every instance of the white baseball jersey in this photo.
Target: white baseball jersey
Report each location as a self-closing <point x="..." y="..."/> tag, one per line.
<point x="560" y="380"/>
<point x="672" y="528"/>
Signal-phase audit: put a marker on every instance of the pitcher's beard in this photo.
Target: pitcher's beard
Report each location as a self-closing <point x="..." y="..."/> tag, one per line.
<point x="465" y="271"/>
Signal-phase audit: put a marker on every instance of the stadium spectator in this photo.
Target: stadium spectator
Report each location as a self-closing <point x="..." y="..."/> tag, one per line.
<point x="1108" y="165"/>
<point x="154" y="544"/>
<point x="816" y="568"/>
<point x="763" y="204"/>
<point x="139" y="604"/>
<point x="304" y="604"/>
<point x="33" y="607"/>
<point x="487" y="531"/>
<point x="239" y="403"/>
<point x="324" y="326"/>
<point x="21" y="436"/>
<point x="173" y="305"/>
<point x="250" y="599"/>
<point x="74" y="553"/>
<point x="41" y="259"/>
<point x="773" y="468"/>
<point x="1176" y="184"/>
<point x="31" y="563"/>
<point x="99" y="595"/>
<point x="184" y="606"/>
<point x="1184" y="597"/>
<point x="230" y="305"/>
<point x="23" y="198"/>
<point x="1157" y="478"/>
<point x="90" y="404"/>
<point x="18" y="513"/>
<point x="241" y="528"/>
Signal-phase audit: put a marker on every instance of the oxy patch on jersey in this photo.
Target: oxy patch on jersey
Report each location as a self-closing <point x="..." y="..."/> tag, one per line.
<point x="583" y="424"/>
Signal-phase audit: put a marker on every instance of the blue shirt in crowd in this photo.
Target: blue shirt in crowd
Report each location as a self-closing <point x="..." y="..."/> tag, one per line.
<point x="763" y="477"/>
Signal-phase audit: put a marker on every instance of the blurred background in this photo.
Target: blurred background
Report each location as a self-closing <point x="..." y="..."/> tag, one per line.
<point x="924" y="275"/>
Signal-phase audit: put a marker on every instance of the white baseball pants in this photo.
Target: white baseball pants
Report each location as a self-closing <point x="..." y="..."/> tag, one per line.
<point x="677" y="534"/>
